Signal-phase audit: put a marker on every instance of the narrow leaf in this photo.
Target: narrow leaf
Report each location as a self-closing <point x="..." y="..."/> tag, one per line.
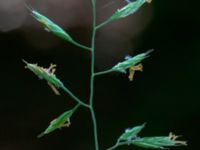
<point x="130" y="62"/>
<point x="129" y="9"/>
<point x="46" y="74"/>
<point x="159" y="142"/>
<point x="131" y="133"/>
<point x="62" y="121"/>
<point x="51" y="26"/>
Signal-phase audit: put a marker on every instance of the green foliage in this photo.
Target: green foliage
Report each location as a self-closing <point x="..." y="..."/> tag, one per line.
<point x="122" y="66"/>
<point x="51" y="26"/>
<point x="129" y="9"/>
<point x="131" y="63"/>
<point x="62" y="121"/>
<point x="125" y="11"/>
<point x="45" y="73"/>
<point x="131" y="133"/>
<point x="130" y="136"/>
<point x="157" y="142"/>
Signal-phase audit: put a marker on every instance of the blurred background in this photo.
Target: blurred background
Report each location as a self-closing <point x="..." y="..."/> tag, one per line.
<point x="165" y="95"/>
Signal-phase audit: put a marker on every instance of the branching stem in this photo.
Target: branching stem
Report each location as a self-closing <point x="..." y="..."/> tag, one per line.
<point x="103" y="23"/>
<point x="117" y="145"/>
<point x="75" y="97"/>
<point x="92" y="76"/>
<point x="80" y="45"/>
<point x="103" y="72"/>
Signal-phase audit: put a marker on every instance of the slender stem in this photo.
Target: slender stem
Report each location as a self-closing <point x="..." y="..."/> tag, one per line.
<point x="74" y="97"/>
<point x="103" y="72"/>
<point x="113" y="147"/>
<point x="103" y="23"/>
<point x="92" y="76"/>
<point x="76" y="107"/>
<point x="80" y="45"/>
<point x="117" y="145"/>
<point x="95" y="128"/>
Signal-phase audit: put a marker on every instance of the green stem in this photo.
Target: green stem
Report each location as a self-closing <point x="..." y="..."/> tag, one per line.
<point x="113" y="147"/>
<point x="80" y="45"/>
<point x="95" y="128"/>
<point x="117" y="145"/>
<point x="74" y="97"/>
<point x="76" y="107"/>
<point x="103" y="72"/>
<point x="104" y="23"/>
<point x="92" y="76"/>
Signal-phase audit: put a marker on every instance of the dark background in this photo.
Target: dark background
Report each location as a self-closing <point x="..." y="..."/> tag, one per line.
<point x="165" y="95"/>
